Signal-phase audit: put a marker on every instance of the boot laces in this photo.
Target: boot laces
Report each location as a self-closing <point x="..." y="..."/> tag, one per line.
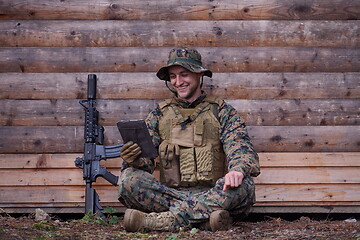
<point x="164" y="221"/>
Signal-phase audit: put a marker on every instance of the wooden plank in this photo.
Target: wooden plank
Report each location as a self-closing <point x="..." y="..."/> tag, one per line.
<point x="27" y="33"/>
<point x="320" y="159"/>
<point x="255" y="112"/>
<point x="47" y="177"/>
<point x="47" y="161"/>
<point x="257" y="208"/>
<point x="338" y="194"/>
<point x="230" y="85"/>
<point x="268" y="160"/>
<point x="309" y="175"/>
<point x="304" y="192"/>
<point x="273" y="175"/>
<point x="67" y="139"/>
<point x="309" y="204"/>
<point x="142" y="59"/>
<point x="260" y="208"/>
<point x="70" y="112"/>
<point x="180" y="10"/>
<point x="298" y="112"/>
<point x="305" y="139"/>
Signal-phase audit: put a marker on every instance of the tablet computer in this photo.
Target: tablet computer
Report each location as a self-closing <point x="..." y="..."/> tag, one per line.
<point x="137" y="132"/>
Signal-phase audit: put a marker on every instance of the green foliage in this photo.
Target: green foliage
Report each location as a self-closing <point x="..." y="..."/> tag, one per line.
<point x="45" y="226"/>
<point x="110" y="218"/>
<point x="109" y="212"/>
<point x="172" y="236"/>
<point x="93" y="218"/>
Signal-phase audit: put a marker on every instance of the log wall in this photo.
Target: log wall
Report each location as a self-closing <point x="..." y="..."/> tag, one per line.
<point x="291" y="69"/>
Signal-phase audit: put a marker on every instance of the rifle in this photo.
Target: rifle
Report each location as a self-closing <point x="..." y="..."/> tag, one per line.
<point x="94" y="151"/>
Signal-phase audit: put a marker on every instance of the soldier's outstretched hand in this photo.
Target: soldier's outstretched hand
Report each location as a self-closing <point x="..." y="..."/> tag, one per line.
<point x="233" y="179"/>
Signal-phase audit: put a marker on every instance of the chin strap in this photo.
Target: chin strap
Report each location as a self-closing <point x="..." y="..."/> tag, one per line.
<point x="171" y="90"/>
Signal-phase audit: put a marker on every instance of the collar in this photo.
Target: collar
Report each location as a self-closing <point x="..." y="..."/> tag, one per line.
<point x="186" y="104"/>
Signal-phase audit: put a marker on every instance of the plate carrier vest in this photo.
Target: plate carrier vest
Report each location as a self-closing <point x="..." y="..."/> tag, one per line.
<point x="191" y="153"/>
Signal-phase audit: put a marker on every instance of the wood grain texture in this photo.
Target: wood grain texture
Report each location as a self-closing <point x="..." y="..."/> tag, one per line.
<point x="235" y="85"/>
<point x="183" y="10"/>
<point x="27" y="33"/>
<point x="267" y="159"/>
<point x="280" y="195"/>
<point x="48" y="161"/>
<point x="67" y="139"/>
<point x="141" y="59"/>
<point x="287" y="112"/>
<point x="274" y="175"/>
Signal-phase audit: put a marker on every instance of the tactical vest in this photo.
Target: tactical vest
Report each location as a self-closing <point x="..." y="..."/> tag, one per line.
<point x="191" y="152"/>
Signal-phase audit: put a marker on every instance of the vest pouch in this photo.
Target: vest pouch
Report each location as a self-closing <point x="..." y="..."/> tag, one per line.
<point x="169" y="159"/>
<point x="187" y="167"/>
<point x="210" y="165"/>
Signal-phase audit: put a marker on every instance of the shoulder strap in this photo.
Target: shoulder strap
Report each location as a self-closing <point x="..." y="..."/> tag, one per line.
<point x="214" y="100"/>
<point x="216" y="103"/>
<point x="165" y="103"/>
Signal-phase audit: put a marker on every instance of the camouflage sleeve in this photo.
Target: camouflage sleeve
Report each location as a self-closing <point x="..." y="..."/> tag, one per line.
<point x="152" y="123"/>
<point x="240" y="153"/>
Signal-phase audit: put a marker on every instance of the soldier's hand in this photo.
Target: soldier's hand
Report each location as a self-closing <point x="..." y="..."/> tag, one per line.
<point x="130" y="151"/>
<point x="233" y="179"/>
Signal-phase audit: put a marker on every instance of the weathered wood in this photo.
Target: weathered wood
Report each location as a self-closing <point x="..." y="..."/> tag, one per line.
<point x="262" y="208"/>
<point x="66" y="139"/>
<point x="307" y="138"/>
<point x="302" y="192"/>
<point x="47" y="177"/>
<point x="50" y="161"/>
<point x="179" y="10"/>
<point x="302" y="159"/>
<point x="15" y="33"/>
<point x="328" y="209"/>
<point x="308" y="175"/>
<point x="272" y="159"/>
<point x="255" y="112"/>
<point x="274" y="175"/>
<point x="342" y="194"/>
<point x="70" y="112"/>
<point x="225" y="85"/>
<point x="218" y="59"/>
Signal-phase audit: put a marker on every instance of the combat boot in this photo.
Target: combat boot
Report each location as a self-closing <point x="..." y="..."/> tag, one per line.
<point x="137" y="221"/>
<point x="219" y="220"/>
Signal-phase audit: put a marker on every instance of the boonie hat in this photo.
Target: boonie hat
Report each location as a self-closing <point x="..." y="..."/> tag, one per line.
<point x="186" y="57"/>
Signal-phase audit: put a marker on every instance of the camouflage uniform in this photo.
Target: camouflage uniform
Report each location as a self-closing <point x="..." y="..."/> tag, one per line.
<point x="139" y="189"/>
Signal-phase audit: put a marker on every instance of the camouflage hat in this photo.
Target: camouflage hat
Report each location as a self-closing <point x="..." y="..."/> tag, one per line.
<point x="186" y="57"/>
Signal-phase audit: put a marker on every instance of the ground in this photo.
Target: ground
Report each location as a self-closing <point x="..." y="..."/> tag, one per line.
<point x="25" y="227"/>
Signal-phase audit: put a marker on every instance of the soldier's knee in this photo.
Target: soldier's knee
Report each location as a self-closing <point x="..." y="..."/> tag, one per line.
<point x="127" y="179"/>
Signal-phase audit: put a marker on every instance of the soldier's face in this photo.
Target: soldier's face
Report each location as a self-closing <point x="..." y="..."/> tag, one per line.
<point x="185" y="83"/>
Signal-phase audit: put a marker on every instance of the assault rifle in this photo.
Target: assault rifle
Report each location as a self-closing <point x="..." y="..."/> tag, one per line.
<point x="94" y="151"/>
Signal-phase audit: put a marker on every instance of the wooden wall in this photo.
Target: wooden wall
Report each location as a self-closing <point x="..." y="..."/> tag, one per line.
<point x="291" y="68"/>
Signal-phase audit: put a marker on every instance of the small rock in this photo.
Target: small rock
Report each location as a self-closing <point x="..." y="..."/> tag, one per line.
<point x="41" y="215"/>
<point x="350" y="220"/>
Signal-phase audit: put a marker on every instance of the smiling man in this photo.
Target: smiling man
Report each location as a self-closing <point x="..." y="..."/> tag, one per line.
<point x="206" y="158"/>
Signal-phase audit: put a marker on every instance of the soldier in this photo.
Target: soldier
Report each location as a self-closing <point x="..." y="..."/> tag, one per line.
<point x="206" y="158"/>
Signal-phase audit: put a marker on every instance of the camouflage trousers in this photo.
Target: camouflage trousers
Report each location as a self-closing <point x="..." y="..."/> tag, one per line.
<point x="140" y="190"/>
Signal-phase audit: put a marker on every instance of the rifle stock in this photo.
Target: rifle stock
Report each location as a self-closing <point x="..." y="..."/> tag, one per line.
<point x="94" y="151"/>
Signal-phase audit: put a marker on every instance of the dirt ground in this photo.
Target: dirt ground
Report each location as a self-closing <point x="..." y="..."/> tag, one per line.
<point x="25" y="227"/>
